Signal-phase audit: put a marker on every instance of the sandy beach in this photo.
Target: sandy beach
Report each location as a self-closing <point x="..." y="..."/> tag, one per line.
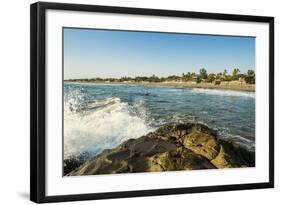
<point x="232" y="85"/>
<point x="224" y="85"/>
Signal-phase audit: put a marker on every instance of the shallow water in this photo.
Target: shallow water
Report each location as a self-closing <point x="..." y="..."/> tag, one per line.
<point x="101" y="116"/>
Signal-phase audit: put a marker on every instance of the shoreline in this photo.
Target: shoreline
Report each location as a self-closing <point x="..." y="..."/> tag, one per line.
<point x="241" y="87"/>
<point x="224" y="86"/>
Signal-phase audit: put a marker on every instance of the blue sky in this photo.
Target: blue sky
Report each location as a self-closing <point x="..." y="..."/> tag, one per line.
<point x="92" y="53"/>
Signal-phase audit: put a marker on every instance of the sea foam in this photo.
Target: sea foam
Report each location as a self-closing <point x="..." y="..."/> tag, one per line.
<point x="233" y="93"/>
<point x="99" y="125"/>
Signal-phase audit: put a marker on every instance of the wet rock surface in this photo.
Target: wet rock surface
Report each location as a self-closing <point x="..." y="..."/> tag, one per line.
<point x="172" y="147"/>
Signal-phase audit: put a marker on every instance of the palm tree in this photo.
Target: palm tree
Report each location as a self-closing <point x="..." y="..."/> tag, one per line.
<point x="235" y="72"/>
<point x="224" y="72"/>
<point x="251" y="73"/>
<point x="203" y="73"/>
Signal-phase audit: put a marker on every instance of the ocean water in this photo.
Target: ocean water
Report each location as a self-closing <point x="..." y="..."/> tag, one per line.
<point x="101" y="116"/>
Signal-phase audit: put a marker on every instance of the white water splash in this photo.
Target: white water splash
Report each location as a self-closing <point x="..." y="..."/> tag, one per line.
<point x="102" y="125"/>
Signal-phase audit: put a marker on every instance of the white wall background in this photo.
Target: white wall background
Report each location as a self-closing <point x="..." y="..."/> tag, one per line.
<point x="14" y="101"/>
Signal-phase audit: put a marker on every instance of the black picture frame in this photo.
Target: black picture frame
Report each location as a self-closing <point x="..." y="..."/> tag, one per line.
<point x="38" y="100"/>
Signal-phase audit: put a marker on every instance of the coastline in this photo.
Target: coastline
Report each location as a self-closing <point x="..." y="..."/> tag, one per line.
<point x="223" y="86"/>
<point x="118" y="114"/>
<point x="172" y="147"/>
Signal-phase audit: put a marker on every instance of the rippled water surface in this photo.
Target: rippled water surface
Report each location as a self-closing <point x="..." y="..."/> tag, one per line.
<point x="101" y="116"/>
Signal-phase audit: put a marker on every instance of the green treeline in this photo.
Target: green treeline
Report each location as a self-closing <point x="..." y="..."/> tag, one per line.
<point x="203" y="76"/>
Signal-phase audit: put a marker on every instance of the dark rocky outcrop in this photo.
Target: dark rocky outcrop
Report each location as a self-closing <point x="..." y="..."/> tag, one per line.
<point x="172" y="147"/>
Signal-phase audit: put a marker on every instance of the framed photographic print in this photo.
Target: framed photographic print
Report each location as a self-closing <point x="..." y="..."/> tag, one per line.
<point x="129" y="102"/>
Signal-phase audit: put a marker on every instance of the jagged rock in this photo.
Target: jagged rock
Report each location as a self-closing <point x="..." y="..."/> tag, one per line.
<point x="172" y="147"/>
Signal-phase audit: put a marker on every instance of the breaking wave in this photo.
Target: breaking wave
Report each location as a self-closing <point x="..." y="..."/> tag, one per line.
<point x="101" y="124"/>
<point x="223" y="92"/>
<point x="94" y="120"/>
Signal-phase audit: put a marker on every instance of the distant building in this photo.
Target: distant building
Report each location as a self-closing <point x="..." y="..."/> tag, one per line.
<point x="241" y="79"/>
<point x="250" y="79"/>
<point x="217" y="82"/>
<point x="196" y="78"/>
